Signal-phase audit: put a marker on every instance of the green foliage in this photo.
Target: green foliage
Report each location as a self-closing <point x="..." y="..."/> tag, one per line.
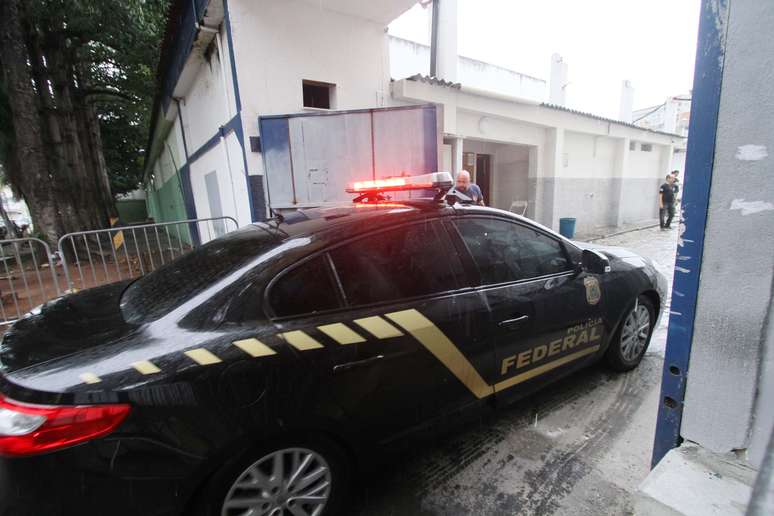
<point x="125" y="57"/>
<point x="115" y="46"/>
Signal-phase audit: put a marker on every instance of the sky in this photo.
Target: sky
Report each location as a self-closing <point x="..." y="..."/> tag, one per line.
<point x="651" y="43"/>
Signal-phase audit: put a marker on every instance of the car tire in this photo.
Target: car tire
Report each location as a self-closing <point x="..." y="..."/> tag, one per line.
<point x="230" y="483"/>
<point x="631" y="340"/>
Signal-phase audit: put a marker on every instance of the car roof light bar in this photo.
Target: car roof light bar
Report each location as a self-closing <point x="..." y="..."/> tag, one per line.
<point x="436" y="181"/>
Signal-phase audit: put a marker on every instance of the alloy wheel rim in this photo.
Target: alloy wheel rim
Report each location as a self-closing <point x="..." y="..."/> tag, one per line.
<point x="634" y="336"/>
<point x="286" y="482"/>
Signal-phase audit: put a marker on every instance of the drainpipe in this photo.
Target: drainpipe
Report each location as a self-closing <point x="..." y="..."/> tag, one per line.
<point x="434" y="40"/>
<point x="443" y="47"/>
<point x="227" y="107"/>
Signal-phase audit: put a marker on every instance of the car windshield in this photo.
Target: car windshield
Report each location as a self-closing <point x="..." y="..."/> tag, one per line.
<point x="168" y="287"/>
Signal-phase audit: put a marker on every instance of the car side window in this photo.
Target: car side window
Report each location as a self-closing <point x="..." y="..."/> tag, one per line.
<point x="504" y="251"/>
<point x="306" y="289"/>
<point x="405" y="262"/>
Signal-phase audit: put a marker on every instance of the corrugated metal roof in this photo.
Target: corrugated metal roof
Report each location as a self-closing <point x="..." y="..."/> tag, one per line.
<point x="435" y="81"/>
<point x="604" y="119"/>
<point x="455" y="85"/>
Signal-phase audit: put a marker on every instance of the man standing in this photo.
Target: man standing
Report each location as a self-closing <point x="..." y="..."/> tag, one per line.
<point x="676" y="182"/>
<point x="666" y="202"/>
<point x="464" y="186"/>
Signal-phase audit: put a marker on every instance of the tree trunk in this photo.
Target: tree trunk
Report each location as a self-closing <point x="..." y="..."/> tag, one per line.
<point x="74" y="190"/>
<point x="61" y="171"/>
<point x="32" y="178"/>
<point x="88" y="124"/>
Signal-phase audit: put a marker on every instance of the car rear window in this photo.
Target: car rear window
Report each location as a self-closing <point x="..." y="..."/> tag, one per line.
<point x="305" y="289"/>
<point x="168" y="287"/>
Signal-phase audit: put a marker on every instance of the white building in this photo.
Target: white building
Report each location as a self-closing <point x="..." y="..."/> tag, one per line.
<point x="408" y="58"/>
<point x="15" y="208"/>
<point x="226" y="62"/>
<point x="673" y="116"/>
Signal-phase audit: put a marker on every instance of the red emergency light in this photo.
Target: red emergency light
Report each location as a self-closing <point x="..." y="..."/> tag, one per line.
<point x="436" y="180"/>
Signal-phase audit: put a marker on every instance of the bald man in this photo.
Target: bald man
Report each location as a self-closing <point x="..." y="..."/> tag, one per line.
<point x="465" y="187"/>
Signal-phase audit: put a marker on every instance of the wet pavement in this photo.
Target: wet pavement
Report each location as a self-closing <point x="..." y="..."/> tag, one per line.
<point x="579" y="447"/>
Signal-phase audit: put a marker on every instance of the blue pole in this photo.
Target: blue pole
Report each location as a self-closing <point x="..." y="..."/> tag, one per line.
<point x="700" y="157"/>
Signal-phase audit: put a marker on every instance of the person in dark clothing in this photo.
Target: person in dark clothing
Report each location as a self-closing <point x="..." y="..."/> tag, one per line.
<point x="666" y="202"/>
<point x="676" y="183"/>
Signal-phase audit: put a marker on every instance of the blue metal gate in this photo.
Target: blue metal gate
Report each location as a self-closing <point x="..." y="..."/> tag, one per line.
<point x="310" y="157"/>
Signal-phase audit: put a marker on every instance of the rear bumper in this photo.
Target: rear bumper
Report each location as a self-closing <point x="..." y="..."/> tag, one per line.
<point x="94" y="478"/>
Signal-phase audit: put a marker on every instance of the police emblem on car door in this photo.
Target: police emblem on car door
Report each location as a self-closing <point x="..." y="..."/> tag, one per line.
<point x="541" y="321"/>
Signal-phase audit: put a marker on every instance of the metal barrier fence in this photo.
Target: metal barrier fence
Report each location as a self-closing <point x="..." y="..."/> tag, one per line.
<point x="103" y="256"/>
<point x="30" y="274"/>
<point x="28" y="277"/>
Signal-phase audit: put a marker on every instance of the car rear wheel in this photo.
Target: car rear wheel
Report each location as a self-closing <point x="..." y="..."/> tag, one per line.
<point x="631" y="340"/>
<point x="287" y="481"/>
<point x="292" y="478"/>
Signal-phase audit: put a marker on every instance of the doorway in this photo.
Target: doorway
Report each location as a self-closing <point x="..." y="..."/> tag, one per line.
<point x="483" y="175"/>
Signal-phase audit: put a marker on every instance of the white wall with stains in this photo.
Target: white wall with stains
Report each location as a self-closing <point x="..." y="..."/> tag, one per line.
<point x="280" y="43"/>
<point x="729" y="403"/>
<point x="408" y="58"/>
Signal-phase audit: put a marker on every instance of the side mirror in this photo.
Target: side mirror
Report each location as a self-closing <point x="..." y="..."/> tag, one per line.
<point x="594" y="262"/>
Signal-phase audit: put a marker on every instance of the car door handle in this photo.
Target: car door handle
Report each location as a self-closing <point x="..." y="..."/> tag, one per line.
<point x="513" y="323"/>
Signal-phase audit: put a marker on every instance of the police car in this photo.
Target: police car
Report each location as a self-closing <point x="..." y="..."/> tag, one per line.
<point x="259" y="373"/>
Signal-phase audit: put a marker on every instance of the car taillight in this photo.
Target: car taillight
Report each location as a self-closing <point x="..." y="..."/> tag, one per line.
<point x="27" y="429"/>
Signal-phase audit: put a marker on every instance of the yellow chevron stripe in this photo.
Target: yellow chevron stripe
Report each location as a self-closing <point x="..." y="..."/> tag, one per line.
<point x="378" y="327"/>
<point x="89" y="378"/>
<point x="146" y="367"/>
<point x="428" y="334"/>
<point x="254" y="347"/>
<point x="202" y="356"/>
<point x="301" y="340"/>
<point x="341" y="333"/>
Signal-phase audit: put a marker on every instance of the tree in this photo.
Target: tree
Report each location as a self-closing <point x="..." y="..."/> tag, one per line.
<point x="77" y="86"/>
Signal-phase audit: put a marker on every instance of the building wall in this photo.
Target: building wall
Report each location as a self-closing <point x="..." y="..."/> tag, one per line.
<point x="170" y="157"/>
<point x="578" y="165"/>
<point x="163" y="190"/>
<point x="499" y="130"/>
<point x="165" y="203"/>
<point x="729" y="401"/>
<point x="586" y="185"/>
<point x="641" y="181"/>
<point x="408" y="58"/>
<point x="583" y="180"/>
<point x="279" y="43"/>
<point x="230" y="194"/>
<point x="208" y="103"/>
<point x="132" y="211"/>
<point x="673" y="116"/>
<point x="678" y="162"/>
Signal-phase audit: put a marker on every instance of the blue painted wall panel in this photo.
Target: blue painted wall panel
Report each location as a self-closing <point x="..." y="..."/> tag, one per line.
<point x="698" y="176"/>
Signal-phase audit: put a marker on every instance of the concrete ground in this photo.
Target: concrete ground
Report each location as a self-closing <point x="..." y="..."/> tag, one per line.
<point x="579" y="447"/>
